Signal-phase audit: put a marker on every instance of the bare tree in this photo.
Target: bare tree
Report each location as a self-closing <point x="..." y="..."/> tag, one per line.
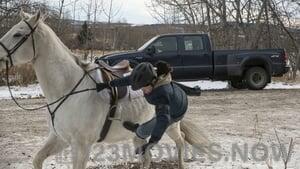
<point x="60" y="16"/>
<point x="295" y="60"/>
<point x="97" y="11"/>
<point x="111" y="11"/>
<point x="75" y="3"/>
<point x="9" y="12"/>
<point x="237" y="23"/>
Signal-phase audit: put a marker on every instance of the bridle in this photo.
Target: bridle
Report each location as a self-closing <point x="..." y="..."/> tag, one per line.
<point x="10" y="52"/>
<point x="58" y="102"/>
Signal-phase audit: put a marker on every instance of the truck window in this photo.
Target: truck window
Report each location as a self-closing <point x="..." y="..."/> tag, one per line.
<point x="165" y="44"/>
<point x="193" y="43"/>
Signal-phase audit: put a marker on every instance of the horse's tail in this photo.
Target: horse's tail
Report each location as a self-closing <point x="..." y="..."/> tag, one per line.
<point x="194" y="135"/>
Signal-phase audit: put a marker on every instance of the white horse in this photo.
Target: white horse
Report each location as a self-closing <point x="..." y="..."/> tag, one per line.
<point x="80" y="118"/>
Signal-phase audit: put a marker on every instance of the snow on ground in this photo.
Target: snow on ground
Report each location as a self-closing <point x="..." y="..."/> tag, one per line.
<point x="34" y="91"/>
<point x="208" y="85"/>
<point x="215" y="85"/>
<point x="31" y="91"/>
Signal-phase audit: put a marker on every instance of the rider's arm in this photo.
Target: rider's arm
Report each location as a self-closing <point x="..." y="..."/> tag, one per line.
<point x="124" y="81"/>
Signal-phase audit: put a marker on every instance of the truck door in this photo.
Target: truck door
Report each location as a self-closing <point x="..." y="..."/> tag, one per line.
<point x="166" y="49"/>
<point x="196" y="57"/>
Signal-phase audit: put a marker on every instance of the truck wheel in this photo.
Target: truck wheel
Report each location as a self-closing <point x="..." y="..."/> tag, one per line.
<point x="238" y="84"/>
<point x="256" y="78"/>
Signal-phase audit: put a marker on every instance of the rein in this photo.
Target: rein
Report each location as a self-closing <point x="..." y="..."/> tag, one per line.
<point x="13" y="50"/>
<point x="62" y="99"/>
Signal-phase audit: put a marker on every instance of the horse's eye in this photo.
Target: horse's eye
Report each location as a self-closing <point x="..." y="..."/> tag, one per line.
<point x="17" y="35"/>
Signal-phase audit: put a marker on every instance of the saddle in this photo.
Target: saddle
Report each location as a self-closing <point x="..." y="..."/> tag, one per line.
<point x="121" y="67"/>
<point x="109" y="73"/>
<point x="113" y="72"/>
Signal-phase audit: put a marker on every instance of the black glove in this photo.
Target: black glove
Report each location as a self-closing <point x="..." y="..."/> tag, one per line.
<point x="144" y="148"/>
<point x="197" y="91"/>
<point x="101" y="86"/>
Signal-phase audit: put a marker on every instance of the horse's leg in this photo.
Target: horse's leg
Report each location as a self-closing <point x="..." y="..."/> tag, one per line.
<point x="176" y="135"/>
<point x="146" y="158"/>
<point x="52" y="146"/>
<point x="80" y="154"/>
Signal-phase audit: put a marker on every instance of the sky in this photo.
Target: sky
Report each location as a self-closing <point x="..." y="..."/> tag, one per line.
<point x="131" y="11"/>
<point x="136" y="11"/>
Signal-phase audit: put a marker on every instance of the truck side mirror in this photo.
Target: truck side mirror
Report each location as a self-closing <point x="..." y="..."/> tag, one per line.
<point x="150" y="50"/>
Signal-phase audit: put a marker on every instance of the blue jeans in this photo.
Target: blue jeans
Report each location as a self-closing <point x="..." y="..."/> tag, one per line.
<point x="145" y="129"/>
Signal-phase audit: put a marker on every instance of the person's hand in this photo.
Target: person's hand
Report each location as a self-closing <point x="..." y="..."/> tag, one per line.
<point x="146" y="147"/>
<point x="101" y="86"/>
<point x="197" y="90"/>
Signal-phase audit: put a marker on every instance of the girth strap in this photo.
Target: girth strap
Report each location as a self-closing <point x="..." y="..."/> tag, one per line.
<point x="107" y="76"/>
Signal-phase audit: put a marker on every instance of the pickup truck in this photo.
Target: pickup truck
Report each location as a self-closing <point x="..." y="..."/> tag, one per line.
<point x="192" y="58"/>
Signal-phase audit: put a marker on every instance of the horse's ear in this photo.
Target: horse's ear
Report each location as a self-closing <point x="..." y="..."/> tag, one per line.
<point x="35" y="17"/>
<point x="24" y="15"/>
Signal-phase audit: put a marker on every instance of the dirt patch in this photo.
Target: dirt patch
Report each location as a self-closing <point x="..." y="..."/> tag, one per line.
<point x="229" y="117"/>
<point x="162" y="164"/>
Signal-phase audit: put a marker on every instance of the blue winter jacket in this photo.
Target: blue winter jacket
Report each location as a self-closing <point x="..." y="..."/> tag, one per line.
<point x="170" y="105"/>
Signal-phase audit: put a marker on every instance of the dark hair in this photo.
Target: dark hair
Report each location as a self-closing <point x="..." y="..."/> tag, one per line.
<point x="163" y="68"/>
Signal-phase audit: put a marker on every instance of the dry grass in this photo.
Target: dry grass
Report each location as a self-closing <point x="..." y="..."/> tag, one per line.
<point x="96" y="53"/>
<point x="19" y="75"/>
<point x="285" y="78"/>
<point x="285" y="157"/>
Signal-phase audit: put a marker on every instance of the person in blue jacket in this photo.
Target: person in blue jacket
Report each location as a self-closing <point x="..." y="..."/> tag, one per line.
<point x="169" y="99"/>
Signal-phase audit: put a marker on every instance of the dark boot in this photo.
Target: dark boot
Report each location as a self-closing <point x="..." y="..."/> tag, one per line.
<point x="130" y="126"/>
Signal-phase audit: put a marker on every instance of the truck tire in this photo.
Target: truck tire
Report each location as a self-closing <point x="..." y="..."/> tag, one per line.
<point x="238" y="84"/>
<point x="256" y="78"/>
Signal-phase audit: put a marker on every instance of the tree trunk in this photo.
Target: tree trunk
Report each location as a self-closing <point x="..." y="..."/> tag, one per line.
<point x="269" y="45"/>
<point x="259" y="29"/>
<point x="60" y="17"/>
<point x="237" y="21"/>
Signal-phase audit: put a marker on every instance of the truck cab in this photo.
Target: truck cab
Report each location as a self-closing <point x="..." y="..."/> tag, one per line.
<point x="189" y="54"/>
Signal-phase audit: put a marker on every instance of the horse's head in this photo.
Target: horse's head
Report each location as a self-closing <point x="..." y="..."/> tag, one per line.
<point x="17" y="46"/>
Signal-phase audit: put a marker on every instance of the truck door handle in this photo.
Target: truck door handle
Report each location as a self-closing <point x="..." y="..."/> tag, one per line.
<point x="139" y="57"/>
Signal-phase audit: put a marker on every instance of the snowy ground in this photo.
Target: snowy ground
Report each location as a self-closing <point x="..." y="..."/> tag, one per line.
<point x="236" y="120"/>
<point x="31" y="91"/>
<point x="34" y="91"/>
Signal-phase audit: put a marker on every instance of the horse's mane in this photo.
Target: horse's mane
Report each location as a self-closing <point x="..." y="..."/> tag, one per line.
<point x="79" y="61"/>
<point x="74" y="56"/>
